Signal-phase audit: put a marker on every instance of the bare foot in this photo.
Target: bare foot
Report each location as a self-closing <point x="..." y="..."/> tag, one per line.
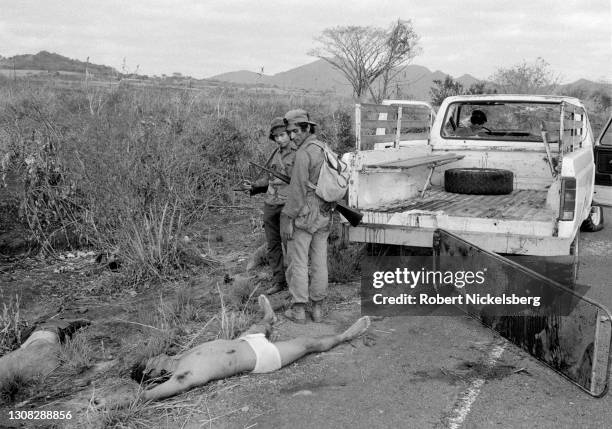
<point x="264" y="304"/>
<point x="356" y="329"/>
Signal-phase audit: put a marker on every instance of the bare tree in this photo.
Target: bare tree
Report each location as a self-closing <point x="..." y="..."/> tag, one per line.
<point x="449" y="87"/>
<point x="524" y="78"/>
<point x="444" y="88"/>
<point x="365" y="54"/>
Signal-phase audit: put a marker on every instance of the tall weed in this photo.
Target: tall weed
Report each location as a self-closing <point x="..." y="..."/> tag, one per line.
<point x="123" y="169"/>
<point x="11" y="324"/>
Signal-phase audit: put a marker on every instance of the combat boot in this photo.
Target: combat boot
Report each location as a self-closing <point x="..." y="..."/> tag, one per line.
<point x="296" y="313"/>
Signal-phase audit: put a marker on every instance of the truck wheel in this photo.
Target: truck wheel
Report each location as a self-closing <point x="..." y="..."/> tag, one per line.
<point x="480" y="181"/>
<point x="595" y="221"/>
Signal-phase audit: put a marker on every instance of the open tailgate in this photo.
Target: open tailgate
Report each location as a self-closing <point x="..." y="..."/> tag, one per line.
<point x="569" y="333"/>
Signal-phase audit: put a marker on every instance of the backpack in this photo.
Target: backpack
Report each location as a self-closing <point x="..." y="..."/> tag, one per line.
<point x="334" y="176"/>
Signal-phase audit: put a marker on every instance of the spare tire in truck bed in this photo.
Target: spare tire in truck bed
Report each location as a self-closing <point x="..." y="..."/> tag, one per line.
<point x="481" y="181"/>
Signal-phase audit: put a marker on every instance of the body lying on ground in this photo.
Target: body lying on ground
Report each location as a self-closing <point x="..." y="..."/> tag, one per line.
<point x="39" y="354"/>
<point x="224" y="358"/>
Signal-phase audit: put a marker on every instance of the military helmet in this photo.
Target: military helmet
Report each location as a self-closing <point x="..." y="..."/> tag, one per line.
<point x="278" y="122"/>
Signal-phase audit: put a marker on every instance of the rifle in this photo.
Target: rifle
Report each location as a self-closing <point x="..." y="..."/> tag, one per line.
<point x="253" y="191"/>
<point x="353" y="216"/>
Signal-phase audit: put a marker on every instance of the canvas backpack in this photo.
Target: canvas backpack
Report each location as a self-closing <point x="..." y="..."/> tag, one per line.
<point x="334" y="176"/>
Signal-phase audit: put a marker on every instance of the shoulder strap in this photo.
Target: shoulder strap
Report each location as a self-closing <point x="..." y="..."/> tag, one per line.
<point x="271" y="157"/>
<point x="279" y="158"/>
<point x="322" y="145"/>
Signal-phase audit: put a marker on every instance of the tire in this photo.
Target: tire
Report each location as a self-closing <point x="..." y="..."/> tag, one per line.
<point x="595" y="221"/>
<point x="479" y="181"/>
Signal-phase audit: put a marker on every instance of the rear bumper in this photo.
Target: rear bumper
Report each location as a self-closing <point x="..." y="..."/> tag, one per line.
<point x="498" y="243"/>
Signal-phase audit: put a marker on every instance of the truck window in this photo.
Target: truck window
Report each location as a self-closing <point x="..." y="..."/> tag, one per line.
<point x="508" y="121"/>
<point x="606" y="138"/>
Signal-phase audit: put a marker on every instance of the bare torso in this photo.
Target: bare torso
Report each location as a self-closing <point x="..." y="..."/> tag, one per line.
<point x="209" y="361"/>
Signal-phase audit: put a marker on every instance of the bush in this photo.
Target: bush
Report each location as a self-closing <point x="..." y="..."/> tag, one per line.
<point x="126" y="169"/>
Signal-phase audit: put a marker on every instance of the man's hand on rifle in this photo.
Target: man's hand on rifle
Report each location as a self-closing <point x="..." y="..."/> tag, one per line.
<point x="286" y="227"/>
<point x="245" y="186"/>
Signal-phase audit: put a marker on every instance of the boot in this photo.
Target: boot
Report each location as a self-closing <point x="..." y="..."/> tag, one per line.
<point x="317" y="311"/>
<point x="296" y="313"/>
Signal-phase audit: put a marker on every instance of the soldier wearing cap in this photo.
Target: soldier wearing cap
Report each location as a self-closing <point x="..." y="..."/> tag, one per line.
<point x="305" y="221"/>
<point x="281" y="160"/>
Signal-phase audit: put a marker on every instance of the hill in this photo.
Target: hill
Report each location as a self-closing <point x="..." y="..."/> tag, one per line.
<point x="413" y="81"/>
<point x="52" y="62"/>
<point x="244" y="77"/>
<point x="584" y="89"/>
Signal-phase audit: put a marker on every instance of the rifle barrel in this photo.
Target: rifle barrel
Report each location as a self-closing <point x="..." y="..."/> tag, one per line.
<point x="352" y="215"/>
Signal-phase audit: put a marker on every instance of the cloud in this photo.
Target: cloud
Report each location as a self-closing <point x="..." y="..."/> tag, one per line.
<point x="207" y="38"/>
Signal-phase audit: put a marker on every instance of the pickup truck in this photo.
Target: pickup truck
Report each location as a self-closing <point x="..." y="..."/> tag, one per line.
<point x="512" y="174"/>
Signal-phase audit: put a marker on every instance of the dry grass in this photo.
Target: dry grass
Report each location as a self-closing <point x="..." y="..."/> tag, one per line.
<point x="11" y="324"/>
<point x="76" y="354"/>
<point x="151" y="242"/>
<point x="130" y="413"/>
<point x="344" y="265"/>
<point x="133" y="171"/>
<point x="233" y="322"/>
<point x="343" y="258"/>
<point x="16" y="388"/>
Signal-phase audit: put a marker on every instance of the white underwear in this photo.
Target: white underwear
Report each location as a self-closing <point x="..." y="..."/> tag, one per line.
<point x="47" y="336"/>
<point x="267" y="357"/>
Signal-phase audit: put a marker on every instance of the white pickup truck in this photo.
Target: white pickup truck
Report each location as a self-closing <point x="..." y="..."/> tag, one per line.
<point x="512" y="174"/>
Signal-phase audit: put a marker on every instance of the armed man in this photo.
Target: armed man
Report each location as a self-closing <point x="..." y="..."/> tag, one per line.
<point x="305" y="221"/>
<point x="281" y="161"/>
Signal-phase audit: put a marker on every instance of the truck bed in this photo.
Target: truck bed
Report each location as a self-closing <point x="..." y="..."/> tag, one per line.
<point x="520" y="205"/>
<point x="523" y="212"/>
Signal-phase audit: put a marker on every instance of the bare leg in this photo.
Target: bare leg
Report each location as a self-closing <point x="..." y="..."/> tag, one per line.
<point x="268" y="321"/>
<point x="292" y="350"/>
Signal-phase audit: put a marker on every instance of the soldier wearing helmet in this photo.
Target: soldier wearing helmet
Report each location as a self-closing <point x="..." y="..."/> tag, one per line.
<point x="281" y="160"/>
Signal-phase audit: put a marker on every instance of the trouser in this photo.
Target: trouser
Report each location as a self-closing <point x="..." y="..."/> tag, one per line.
<point x="301" y="248"/>
<point x="271" y="218"/>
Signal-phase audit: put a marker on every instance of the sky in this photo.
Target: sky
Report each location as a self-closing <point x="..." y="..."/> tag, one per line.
<point x="204" y="38"/>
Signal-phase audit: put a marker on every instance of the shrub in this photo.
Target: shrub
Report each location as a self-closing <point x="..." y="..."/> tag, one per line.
<point x="122" y="169"/>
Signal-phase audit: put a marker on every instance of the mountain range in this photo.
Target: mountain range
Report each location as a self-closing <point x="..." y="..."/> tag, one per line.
<point x="413" y="81"/>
